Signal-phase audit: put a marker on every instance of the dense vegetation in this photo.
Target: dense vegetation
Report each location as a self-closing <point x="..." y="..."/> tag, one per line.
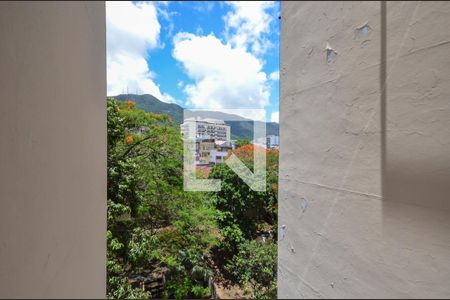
<point x="242" y="142"/>
<point x="242" y="128"/>
<point x="152" y="104"/>
<point x="158" y="230"/>
<point x="244" y="216"/>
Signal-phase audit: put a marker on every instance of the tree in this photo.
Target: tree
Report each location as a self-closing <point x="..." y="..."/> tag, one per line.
<point x="156" y="226"/>
<point x="242" y="215"/>
<point x="255" y="267"/>
<point x="242" y="142"/>
<point x="242" y="211"/>
<point x="152" y="223"/>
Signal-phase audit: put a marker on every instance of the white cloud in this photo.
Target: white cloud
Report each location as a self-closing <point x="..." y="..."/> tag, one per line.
<point x="275" y="117"/>
<point x="164" y="3"/>
<point x="167" y="15"/>
<point x="228" y="73"/>
<point x="132" y="30"/>
<point x="225" y="77"/>
<point x="131" y="27"/>
<point x="248" y="23"/>
<point x="275" y="75"/>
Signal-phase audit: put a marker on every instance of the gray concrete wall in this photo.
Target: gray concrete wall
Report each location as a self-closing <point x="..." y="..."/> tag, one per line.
<point x="364" y="175"/>
<point x="53" y="150"/>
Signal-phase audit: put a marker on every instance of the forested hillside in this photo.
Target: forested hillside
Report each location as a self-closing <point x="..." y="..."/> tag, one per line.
<point x="239" y="129"/>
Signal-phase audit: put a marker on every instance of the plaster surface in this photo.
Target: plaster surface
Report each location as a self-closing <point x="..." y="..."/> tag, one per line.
<point x="373" y="167"/>
<point x="53" y="150"/>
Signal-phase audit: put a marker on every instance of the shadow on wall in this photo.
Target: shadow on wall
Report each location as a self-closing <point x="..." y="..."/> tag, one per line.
<point x="415" y="162"/>
<point x="415" y="120"/>
<point x="415" y="154"/>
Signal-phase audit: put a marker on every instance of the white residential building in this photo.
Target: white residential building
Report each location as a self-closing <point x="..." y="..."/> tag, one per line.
<point x="206" y="129"/>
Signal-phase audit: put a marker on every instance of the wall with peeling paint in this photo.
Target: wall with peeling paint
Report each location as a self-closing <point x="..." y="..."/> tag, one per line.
<point x="364" y="174"/>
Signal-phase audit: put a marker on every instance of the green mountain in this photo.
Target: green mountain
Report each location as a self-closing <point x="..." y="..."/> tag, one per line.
<point x="242" y="128"/>
<point x="152" y="104"/>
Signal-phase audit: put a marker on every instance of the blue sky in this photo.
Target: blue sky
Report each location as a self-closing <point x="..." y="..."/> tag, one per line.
<point x="205" y="55"/>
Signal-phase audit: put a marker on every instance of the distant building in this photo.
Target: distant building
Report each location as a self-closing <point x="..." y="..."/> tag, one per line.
<point x="212" y="139"/>
<point x="203" y="149"/>
<point x="272" y="141"/>
<point x="221" y="149"/>
<point x="210" y="151"/>
<point x="207" y="129"/>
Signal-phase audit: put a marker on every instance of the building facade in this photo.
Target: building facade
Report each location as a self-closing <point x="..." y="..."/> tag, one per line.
<point x="206" y="129"/>
<point x="210" y="151"/>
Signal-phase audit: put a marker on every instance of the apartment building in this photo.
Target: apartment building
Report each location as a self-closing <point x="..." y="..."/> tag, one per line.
<point x="206" y="129"/>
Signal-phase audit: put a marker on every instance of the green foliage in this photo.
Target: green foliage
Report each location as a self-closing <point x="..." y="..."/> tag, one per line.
<point x="242" y="142"/>
<point x="155" y="226"/>
<point x="242" y="215"/>
<point x="255" y="267"/>
<point x="242" y="129"/>
<point x="121" y="289"/>
<point x="190" y="275"/>
<point x="240" y="209"/>
<point x="152" y="104"/>
<point x="152" y="223"/>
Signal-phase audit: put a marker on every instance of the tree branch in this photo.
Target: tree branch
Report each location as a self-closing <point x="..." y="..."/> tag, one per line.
<point x="134" y="145"/>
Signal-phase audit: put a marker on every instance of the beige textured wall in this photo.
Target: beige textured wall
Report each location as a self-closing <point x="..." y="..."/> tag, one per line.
<point x="364" y="181"/>
<point x="53" y="150"/>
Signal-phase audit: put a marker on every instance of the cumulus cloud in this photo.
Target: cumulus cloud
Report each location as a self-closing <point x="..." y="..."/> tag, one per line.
<point x="225" y="76"/>
<point x="132" y="30"/>
<point x="275" y="75"/>
<point x="248" y="24"/>
<point x="275" y="117"/>
<point x="228" y="73"/>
